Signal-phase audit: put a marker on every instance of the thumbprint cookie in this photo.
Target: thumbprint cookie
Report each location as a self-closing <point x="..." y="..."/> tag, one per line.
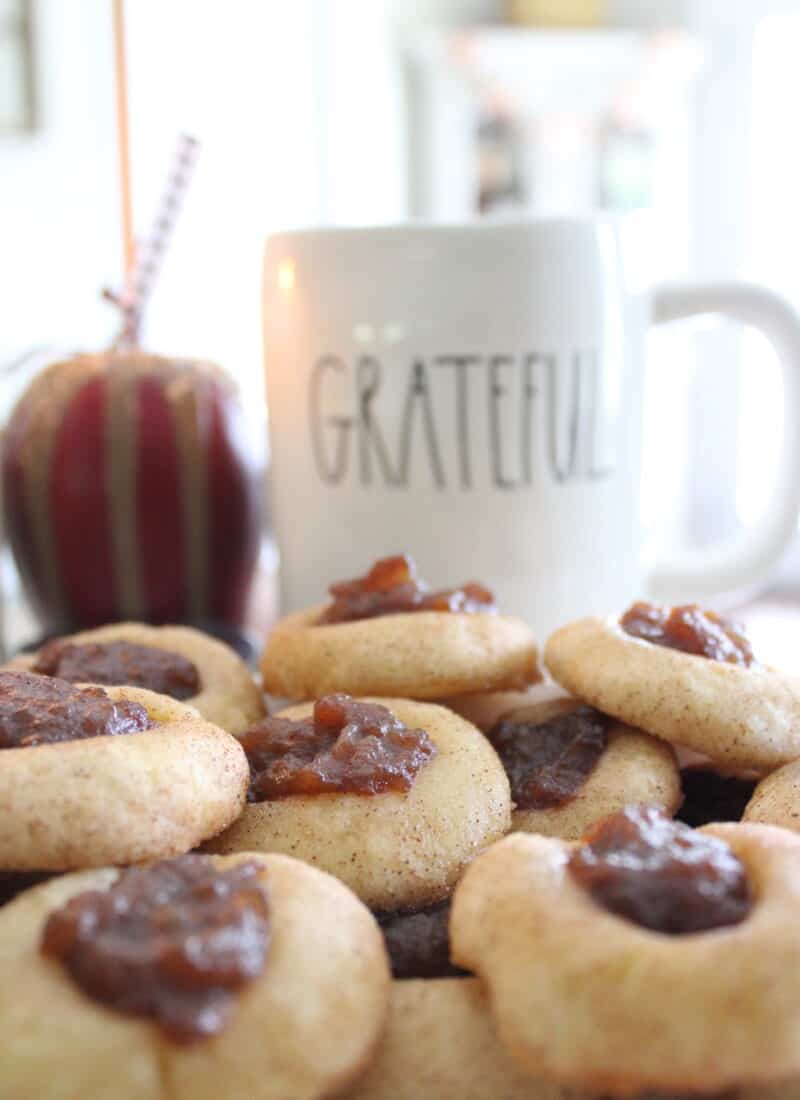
<point x="686" y="675"/>
<point x="91" y="776"/>
<point x="394" y="797"/>
<point x="249" y="976"/>
<point x="650" y="957"/>
<point x="387" y="634"/>
<point x="178" y="661"/>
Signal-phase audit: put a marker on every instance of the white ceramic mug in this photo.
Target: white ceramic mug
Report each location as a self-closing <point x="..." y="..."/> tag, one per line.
<point x="473" y="394"/>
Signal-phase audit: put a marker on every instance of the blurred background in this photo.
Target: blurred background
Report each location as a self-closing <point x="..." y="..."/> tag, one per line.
<point x="677" y="114"/>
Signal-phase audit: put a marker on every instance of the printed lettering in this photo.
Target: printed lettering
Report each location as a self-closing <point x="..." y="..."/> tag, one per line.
<point x="330" y="470"/>
<point x="529" y="393"/>
<point x="418" y="396"/>
<point x="496" y="392"/>
<point x="462" y="394"/>
<point x="368" y="382"/>
<point x="535" y="415"/>
<point x="563" y="465"/>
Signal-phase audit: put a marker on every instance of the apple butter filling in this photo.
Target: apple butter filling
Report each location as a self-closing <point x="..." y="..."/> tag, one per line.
<point x="173" y="942"/>
<point x="660" y="874"/>
<point x="393" y="587"/>
<point x="120" y="663"/>
<point x="40" y="710"/>
<point x="548" y="762"/>
<point x="690" y="629"/>
<point x="344" y="745"/>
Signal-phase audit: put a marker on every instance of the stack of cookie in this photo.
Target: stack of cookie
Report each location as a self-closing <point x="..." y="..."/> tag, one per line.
<point x="400" y="825"/>
<point x="393" y="794"/>
<point x="690" y="678"/>
<point x="120" y="749"/>
<point x="571" y="760"/>
<point x="504" y="755"/>
<point x="246" y="885"/>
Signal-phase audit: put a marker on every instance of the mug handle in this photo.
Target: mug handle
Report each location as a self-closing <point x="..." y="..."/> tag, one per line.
<point x="745" y="558"/>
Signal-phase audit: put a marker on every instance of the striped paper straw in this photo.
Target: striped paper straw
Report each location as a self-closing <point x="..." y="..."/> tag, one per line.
<point x="150" y="253"/>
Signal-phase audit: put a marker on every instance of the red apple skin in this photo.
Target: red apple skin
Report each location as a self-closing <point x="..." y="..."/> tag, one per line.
<point x="131" y="491"/>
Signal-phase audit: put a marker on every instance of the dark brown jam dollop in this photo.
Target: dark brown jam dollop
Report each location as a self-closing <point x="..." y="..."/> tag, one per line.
<point x="173" y="942"/>
<point x="661" y="874"/>
<point x="548" y="762"/>
<point x="39" y="710"/>
<point x="690" y="629"/>
<point x="418" y="941"/>
<point x="711" y="797"/>
<point x="392" y="587"/>
<point x="344" y="745"/>
<point x="120" y="663"/>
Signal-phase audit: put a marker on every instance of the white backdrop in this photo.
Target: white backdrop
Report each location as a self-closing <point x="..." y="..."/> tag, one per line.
<point x="299" y="105"/>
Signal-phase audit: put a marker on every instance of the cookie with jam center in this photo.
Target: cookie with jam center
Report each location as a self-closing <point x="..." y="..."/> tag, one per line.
<point x="585" y="994"/>
<point x="686" y="676"/>
<point x="194" y="668"/>
<point x="302" y="1027"/>
<point x="402" y="846"/>
<point x="150" y="778"/>
<point x="390" y="636"/>
<point x="569" y="766"/>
